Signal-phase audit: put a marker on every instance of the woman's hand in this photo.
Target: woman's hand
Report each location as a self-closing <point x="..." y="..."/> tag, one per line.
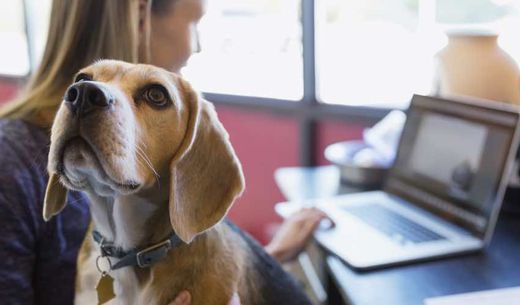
<point x="294" y="234"/>
<point x="184" y="298"/>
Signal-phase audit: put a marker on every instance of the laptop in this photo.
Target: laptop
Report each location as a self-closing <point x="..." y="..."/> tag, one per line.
<point x="443" y="194"/>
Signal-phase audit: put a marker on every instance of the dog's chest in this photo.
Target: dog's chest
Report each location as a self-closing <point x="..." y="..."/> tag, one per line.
<point x="128" y="290"/>
<point x="204" y="268"/>
<point x="124" y="220"/>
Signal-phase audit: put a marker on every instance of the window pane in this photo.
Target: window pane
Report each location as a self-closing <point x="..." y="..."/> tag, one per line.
<point x="14" y="58"/>
<point x="39" y="16"/>
<point x="251" y="48"/>
<point x="379" y="52"/>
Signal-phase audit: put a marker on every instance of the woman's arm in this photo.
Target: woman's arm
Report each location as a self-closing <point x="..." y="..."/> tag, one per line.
<point x="17" y="250"/>
<point x="37" y="258"/>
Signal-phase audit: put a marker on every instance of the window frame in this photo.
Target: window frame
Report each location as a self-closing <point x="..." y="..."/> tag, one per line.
<point x="308" y="111"/>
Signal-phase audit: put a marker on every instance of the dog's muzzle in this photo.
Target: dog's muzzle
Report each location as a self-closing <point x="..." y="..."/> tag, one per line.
<point x="86" y="96"/>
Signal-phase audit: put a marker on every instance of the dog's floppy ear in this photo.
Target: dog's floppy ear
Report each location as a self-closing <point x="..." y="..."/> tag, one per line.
<point x="55" y="197"/>
<point x="206" y="175"/>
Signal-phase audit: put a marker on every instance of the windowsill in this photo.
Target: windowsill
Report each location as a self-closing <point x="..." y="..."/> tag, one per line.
<point x="305" y="108"/>
<point x="17" y="79"/>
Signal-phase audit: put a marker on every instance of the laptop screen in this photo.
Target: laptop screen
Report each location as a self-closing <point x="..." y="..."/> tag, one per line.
<point x="452" y="158"/>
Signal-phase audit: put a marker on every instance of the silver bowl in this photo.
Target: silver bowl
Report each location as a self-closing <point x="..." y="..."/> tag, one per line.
<point x="341" y="155"/>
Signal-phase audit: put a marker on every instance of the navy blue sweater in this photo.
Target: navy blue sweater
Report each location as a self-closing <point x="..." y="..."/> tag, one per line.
<point x="37" y="258"/>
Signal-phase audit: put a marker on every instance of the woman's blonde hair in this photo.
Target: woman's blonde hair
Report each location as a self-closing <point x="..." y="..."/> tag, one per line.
<point x="80" y="32"/>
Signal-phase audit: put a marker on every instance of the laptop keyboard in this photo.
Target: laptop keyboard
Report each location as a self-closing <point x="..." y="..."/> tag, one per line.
<point x="392" y="224"/>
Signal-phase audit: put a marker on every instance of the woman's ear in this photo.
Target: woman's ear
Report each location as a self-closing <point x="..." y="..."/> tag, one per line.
<point x="206" y="175"/>
<point x="55" y="197"/>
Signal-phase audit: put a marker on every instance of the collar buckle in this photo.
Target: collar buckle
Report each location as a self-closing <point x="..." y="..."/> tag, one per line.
<point x="107" y="250"/>
<point x="147" y="257"/>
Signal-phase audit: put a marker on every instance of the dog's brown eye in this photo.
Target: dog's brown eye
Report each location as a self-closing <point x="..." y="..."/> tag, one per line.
<point x="156" y="95"/>
<point x="82" y="77"/>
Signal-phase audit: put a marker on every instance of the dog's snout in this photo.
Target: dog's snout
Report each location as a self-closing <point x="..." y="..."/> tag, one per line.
<point x="85" y="97"/>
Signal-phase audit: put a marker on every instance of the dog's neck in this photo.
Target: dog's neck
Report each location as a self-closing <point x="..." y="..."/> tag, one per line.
<point x="130" y="221"/>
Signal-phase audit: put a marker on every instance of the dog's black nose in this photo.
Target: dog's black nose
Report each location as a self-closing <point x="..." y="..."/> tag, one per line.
<point x="86" y="96"/>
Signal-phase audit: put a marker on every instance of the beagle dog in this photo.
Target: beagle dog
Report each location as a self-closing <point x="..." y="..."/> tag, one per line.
<point x="161" y="174"/>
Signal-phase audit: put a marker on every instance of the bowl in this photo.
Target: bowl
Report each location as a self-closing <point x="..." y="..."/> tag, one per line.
<point x="342" y="155"/>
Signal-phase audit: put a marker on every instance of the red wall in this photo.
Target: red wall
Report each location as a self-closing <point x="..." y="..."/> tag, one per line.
<point x="263" y="142"/>
<point x="8" y="90"/>
<point x="329" y="132"/>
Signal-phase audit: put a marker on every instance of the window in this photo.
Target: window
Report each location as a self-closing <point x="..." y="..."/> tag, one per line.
<point x="38" y="21"/>
<point x="378" y="52"/>
<point x="250" y="48"/>
<point x="18" y="20"/>
<point x="369" y="53"/>
<point x="14" y="53"/>
<point x="373" y="53"/>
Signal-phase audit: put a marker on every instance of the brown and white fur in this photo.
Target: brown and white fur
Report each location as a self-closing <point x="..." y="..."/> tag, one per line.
<point x="152" y="161"/>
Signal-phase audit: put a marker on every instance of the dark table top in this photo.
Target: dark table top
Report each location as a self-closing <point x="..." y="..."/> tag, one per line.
<point x="496" y="267"/>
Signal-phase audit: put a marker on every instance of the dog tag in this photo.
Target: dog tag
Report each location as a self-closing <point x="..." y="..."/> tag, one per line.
<point x="105" y="289"/>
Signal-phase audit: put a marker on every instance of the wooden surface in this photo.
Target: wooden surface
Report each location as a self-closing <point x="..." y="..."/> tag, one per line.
<point x="497" y="267"/>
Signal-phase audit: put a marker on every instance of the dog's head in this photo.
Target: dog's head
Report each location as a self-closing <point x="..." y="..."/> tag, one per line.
<point x="122" y="128"/>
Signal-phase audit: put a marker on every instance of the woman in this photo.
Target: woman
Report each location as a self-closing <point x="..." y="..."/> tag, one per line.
<point x="38" y="258"/>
